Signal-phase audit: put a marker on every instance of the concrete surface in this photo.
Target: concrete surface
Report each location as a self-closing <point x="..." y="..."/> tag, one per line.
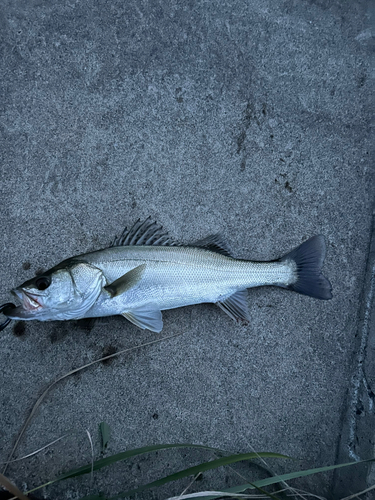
<point x="249" y="118"/>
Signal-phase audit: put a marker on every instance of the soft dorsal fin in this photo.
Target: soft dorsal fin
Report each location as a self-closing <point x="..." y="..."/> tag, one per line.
<point x="144" y="233"/>
<point x="236" y="306"/>
<point x="126" y="281"/>
<point x="148" y="316"/>
<point x="215" y="243"/>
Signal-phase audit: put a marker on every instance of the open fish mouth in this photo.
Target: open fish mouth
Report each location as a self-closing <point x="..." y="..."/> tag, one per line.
<point x="30" y="307"/>
<point x="29" y="301"/>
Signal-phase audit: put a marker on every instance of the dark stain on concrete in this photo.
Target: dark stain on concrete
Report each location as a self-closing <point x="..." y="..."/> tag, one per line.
<point x="19" y="329"/>
<point x="178" y="95"/>
<point x="59" y="332"/>
<point x="61" y="329"/>
<point x="288" y="187"/>
<point x="240" y="140"/>
<point x="108" y="351"/>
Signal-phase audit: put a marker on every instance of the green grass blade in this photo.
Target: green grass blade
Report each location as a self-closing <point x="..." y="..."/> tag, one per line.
<point x="95" y="497"/>
<point x="275" y="479"/>
<point x="105" y="462"/>
<point x="290" y="475"/>
<point x="214" y="464"/>
<point x="105" y="433"/>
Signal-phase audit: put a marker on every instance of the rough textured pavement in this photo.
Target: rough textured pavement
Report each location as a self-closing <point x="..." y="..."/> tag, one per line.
<point x="249" y="118"/>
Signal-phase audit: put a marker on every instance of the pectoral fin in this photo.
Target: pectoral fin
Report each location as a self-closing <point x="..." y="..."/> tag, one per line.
<point x="125" y="282"/>
<point x="147" y="316"/>
<point x="236" y="306"/>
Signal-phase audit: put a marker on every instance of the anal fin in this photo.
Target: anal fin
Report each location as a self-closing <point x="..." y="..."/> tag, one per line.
<point x="236" y="306"/>
<point x="147" y="316"/>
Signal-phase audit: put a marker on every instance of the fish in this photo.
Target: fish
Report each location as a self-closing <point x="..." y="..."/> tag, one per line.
<point x="145" y="271"/>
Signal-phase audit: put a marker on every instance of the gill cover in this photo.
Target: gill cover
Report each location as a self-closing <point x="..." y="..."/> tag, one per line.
<point x="87" y="281"/>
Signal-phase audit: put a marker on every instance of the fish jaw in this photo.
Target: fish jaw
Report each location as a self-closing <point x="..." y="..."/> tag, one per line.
<point x="30" y="307"/>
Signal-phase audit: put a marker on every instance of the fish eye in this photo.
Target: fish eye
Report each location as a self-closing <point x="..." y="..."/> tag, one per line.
<point x="42" y="282"/>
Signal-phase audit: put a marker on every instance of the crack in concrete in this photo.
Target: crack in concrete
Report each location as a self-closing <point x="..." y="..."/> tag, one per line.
<point x="358" y="395"/>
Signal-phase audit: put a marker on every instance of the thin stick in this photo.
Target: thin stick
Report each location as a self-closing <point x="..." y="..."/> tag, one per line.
<point x="293" y="490"/>
<point x="217" y="493"/>
<point x="189" y="485"/>
<point x="356" y="495"/>
<point x="34" y="452"/>
<point x="92" y="456"/>
<point x="44" y="394"/>
<point x="13" y="489"/>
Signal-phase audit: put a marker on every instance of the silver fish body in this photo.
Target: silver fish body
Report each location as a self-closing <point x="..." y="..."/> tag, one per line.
<point x="146" y="272"/>
<point x="181" y="276"/>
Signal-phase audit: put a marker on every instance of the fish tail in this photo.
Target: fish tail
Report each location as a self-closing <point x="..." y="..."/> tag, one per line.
<point x="309" y="258"/>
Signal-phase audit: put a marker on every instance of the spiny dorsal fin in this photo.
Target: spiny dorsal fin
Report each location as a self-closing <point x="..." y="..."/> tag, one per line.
<point x="125" y="282"/>
<point x="148" y="316"/>
<point x="215" y="243"/>
<point x="144" y="233"/>
<point x="236" y="306"/>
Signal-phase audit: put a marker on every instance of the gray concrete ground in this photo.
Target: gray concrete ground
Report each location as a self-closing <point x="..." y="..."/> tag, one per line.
<point x="249" y="118"/>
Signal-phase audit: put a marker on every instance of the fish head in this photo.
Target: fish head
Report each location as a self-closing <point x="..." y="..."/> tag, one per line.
<point x="64" y="292"/>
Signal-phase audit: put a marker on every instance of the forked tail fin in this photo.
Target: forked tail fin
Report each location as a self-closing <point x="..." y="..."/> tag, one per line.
<point x="309" y="258"/>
